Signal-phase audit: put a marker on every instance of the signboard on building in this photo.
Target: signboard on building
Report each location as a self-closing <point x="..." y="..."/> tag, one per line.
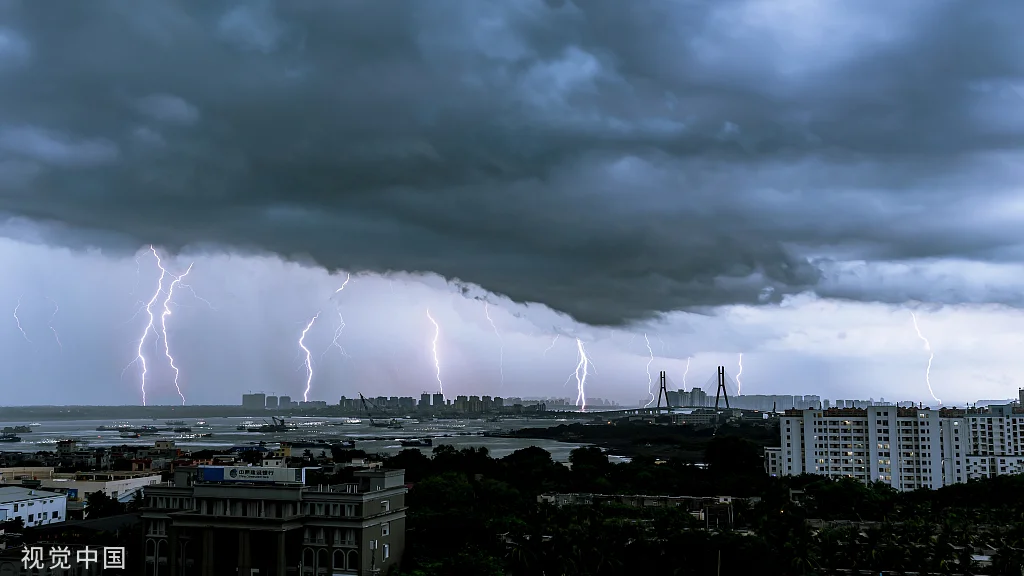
<point x="251" y="474"/>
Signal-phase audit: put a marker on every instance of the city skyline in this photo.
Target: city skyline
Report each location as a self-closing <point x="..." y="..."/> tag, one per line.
<point x="695" y="184"/>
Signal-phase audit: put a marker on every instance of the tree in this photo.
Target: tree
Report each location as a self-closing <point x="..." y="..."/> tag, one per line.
<point x="99" y="505"/>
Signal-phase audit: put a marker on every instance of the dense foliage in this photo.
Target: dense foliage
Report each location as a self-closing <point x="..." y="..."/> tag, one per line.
<point x="474" y="515"/>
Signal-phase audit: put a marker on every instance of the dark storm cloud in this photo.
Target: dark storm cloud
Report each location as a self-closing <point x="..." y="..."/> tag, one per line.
<point x="611" y="160"/>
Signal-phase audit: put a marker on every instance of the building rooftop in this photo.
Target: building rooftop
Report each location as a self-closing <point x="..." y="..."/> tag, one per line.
<point x="17" y="494"/>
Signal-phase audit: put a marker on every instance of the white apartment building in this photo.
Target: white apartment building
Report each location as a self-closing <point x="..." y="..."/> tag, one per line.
<point x="898" y="446"/>
<point x="34" y="507"/>
<point x="996" y="440"/>
<point x="907" y="448"/>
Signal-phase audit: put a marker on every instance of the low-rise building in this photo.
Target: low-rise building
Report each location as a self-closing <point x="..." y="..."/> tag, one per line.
<point x="14" y="474"/>
<point x="34" y="507"/>
<point x="214" y="520"/>
<point x="120" y="486"/>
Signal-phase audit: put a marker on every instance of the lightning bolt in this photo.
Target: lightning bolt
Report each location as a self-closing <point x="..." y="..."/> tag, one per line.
<point x="931" y="356"/>
<point x="501" y="342"/>
<point x="341" y="325"/>
<point x="343" y="284"/>
<point x="309" y="359"/>
<point x="18" y="320"/>
<point x="437" y="364"/>
<point x="552" y="345"/>
<point x="163" y="328"/>
<point x="140" y="357"/>
<point x="662" y="343"/>
<point x="650" y="382"/>
<point x="56" y="309"/>
<point x="687" y="371"/>
<point x="582" y="371"/>
<point x="739" y="383"/>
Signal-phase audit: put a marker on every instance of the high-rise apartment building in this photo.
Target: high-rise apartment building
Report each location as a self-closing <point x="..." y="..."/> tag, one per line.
<point x="907" y="448"/>
<point x="256" y="401"/>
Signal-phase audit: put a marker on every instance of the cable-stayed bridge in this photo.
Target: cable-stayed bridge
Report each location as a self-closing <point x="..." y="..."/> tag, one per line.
<point x="702" y="396"/>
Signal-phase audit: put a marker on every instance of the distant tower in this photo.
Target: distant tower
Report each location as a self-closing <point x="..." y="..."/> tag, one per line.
<point x="663" y="389"/>
<point x="721" y="392"/>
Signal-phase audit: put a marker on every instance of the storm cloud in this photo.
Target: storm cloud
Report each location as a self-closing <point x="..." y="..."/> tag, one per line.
<point x="611" y="160"/>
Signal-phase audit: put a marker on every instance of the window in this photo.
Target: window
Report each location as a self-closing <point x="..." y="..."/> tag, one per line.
<point x="387" y="551"/>
<point x="385" y="505"/>
<point x="385" y="529"/>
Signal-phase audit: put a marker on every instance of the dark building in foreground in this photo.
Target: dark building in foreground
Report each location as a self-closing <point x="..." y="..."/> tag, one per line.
<point x="216" y="520"/>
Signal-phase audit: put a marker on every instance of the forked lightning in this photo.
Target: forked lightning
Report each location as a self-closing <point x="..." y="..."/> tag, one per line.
<point x="739" y="383"/>
<point x="501" y="343"/>
<point x="163" y="329"/>
<point x="437" y="363"/>
<point x="650" y="381"/>
<point x="931" y="356"/>
<point x="309" y="359"/>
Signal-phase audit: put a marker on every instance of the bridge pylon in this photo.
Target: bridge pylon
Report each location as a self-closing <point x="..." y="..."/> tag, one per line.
<point x="663" y="390"/>
<point x="721" y="392"/>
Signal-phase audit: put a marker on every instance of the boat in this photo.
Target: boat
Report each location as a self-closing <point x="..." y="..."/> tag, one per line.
<point x="200" y="423"/>
<point x="417" y="443"/>
<point x="244" y="426"/>
<point x="350" y="421"/>
<point x="147" y="430"/>
<point x="182" y="429"/>
<point x="279" y="425"/>
<point x="17" y="430"/>
<point x="175" y="422"/>
<point x="115" y="427"/>
<point x="35" y="424"/>
<point x="129" y="434"/>
<point x="345" y="444"/>
<point x="10" y="438"/>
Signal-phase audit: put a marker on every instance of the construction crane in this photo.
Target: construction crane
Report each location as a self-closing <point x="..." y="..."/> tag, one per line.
<point x="378" y="423"/>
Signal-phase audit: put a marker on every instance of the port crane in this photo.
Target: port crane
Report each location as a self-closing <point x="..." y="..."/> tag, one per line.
<point x="377" y="423"/>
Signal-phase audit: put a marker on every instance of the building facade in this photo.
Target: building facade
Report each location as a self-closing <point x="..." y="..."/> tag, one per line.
<point x="210" y="521"/>
<point x="907" y="448"/>
<point x="34" y="507"/>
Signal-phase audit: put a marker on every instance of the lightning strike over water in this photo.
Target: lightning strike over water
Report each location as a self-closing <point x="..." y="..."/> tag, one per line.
<point x="552" y="345"/>
<point x="140" y="357"/>
<point x="56" y="309"/>
<point x="437" y="364"/>
<point x="163" y="329"/>
<point x="501" y="343"/>
<point x="739" y="383"/>
<point x="582" y="371"/>
<point x="931" y="356"/>
<point x="18" y="320"/>
<point x="650" y="382"/>
<point x="309" y="359"/>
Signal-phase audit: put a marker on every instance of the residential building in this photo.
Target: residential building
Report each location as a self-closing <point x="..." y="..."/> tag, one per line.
<point x="254" y="401"/>
<point x="901" y="447"/>
<point x="214" y="520"/>
<point x="907" y="448"/>
<point x="34" y="507"/>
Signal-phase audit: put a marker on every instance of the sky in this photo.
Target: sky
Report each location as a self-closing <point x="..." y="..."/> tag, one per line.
<point x="786" y="180"/>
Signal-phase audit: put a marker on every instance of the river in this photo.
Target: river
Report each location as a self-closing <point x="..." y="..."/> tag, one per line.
<point x="224" y="434"/>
